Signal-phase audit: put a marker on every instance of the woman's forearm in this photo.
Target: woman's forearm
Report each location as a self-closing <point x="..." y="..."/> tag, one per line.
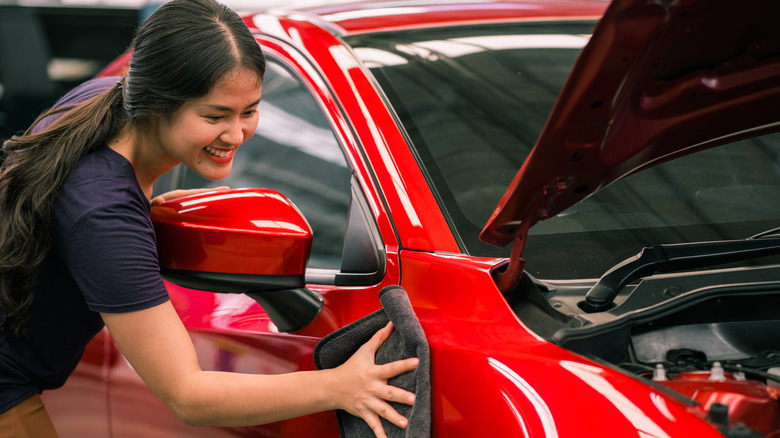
<point x="158" y="347"/>
<point x="213" y="398"/>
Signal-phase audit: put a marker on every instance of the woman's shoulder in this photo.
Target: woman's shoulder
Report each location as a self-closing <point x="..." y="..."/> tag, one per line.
<point x="103" y="166"/>
<point x="102" y="179"/>
<point x="80" y="94"/>
<point x="87" y="90"/>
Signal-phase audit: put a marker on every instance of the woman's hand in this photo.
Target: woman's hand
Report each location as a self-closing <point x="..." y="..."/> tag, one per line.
<point x="157" y="345"/>
<point x="185" y="192"/>
<point x="361" y="386"/>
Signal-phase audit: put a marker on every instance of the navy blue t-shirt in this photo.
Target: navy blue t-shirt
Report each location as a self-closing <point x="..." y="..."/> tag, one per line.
<point x="103" y="259"/>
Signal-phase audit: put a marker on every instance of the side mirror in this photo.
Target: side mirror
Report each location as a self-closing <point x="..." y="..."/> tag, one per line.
<point x="250" y="241"/>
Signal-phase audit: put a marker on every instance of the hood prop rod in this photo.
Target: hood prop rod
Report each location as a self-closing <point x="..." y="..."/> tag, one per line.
<point x="508" y="279"/>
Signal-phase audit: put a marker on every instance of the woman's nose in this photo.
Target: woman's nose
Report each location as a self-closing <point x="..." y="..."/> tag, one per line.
<point x="233" y="133"/>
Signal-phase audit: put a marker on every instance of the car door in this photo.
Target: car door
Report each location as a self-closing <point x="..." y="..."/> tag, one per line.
<point x="302" y="149"/>
<point x="79" y="408"/>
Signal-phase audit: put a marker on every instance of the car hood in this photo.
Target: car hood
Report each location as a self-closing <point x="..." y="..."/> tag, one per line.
<point x="658" y="80"/>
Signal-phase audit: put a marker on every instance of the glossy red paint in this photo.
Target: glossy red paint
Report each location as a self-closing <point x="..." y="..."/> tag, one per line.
<point x="344" y="305"/>
<point x="365" y="17"/>
<point x="491" y="375"/>
<point x="750" y="402"/>
<point x="264" y="231"/>
<point x="498" y="369"/>
<point x="354" y="130"/>
<point x="374" y="139"/>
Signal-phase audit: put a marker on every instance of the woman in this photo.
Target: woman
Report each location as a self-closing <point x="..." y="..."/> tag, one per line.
<point x="77" y="247"/>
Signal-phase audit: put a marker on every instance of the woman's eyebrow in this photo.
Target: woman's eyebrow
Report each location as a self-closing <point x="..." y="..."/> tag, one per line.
<point x="225" y="108"/>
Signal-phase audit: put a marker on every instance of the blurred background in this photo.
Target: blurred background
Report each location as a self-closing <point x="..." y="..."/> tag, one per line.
<point x="49" y="46"/>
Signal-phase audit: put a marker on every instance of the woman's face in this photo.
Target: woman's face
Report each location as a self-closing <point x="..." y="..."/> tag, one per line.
<point x="205" y="133"/>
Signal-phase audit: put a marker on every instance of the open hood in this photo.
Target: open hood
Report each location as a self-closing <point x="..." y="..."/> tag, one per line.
<point x="658" y="80"/>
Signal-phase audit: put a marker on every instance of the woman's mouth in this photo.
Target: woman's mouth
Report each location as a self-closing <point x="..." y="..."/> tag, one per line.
<point x="218" y="152"/>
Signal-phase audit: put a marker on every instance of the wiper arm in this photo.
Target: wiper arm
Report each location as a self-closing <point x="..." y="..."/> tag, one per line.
<point x="674" y="257"/>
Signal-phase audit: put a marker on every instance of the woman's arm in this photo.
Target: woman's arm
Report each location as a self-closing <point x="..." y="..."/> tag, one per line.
<point x="159" y="348"/>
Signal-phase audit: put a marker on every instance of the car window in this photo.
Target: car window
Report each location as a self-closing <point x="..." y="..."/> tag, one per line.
<point x="725" y="193"/>
<point x="473" y="100"/>
<point x="294" y="152"/>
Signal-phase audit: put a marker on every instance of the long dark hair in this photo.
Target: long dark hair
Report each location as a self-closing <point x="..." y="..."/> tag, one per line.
<point x="179" y="54"/>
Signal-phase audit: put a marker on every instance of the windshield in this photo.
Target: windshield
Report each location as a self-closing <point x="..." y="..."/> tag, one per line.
<point x="473" y="101"/>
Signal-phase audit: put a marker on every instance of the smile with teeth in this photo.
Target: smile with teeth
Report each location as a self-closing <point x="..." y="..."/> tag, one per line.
<point x="217" y="152"/>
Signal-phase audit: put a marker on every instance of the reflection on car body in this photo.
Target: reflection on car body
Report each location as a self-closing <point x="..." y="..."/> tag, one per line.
<point x="396" y="131"/>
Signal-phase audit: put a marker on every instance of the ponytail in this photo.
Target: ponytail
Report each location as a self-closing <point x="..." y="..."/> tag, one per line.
<point x="33" y="167"/>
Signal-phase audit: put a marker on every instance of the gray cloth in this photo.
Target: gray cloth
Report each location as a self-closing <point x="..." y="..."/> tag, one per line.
<point x="407" y="340"/>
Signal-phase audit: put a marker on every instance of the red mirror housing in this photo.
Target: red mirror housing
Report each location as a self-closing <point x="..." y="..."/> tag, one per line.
<point x="252" y="241"/>
<point x="242" y="231"/>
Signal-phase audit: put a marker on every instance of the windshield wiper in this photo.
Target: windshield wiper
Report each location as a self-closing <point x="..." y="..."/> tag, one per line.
<point x="676" y="257"/>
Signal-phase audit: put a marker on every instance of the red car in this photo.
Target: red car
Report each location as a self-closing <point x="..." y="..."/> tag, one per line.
<point x="486" y="156"/>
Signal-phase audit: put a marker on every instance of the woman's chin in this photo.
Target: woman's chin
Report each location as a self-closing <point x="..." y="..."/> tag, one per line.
<point x="214" y="174"/>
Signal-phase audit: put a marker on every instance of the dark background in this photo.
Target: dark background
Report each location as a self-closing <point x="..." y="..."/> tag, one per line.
<point x="47" y="50"/>
<point x="49" y="46"/>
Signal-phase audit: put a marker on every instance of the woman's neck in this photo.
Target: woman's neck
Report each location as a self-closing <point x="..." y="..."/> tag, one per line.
<point x="143" y="155"/>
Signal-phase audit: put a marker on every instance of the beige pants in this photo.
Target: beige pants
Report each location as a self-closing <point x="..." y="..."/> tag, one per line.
<point x="28" y="419"/>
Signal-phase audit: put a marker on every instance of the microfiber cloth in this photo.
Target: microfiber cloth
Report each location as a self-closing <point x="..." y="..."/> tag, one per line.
<point x="407" y="340"/>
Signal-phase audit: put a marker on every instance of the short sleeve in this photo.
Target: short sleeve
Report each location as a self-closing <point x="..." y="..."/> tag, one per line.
<point x="111" y="253"/>
<point x="77" y="95"/>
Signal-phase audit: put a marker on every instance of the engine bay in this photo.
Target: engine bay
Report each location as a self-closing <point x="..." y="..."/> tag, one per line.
<point x="712" y="336"/>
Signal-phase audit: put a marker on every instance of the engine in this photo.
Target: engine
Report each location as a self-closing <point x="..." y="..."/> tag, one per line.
<point x="741" y="397"/>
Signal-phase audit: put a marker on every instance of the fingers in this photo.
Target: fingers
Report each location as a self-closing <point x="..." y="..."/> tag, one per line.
<point x="398" y="367"/>
<point x="377" y="405"/>
<point x="392" y="369"/>
<point x="389" y="393"/>
<point x="158" y="200"/>
<point x="375" y="424"/>
<point x="379" y="408"/>
<point x="388" y="413"/>
<point x="399" y="395"/>
<point x="379" y="393"/>
<point x="184" y="192"/>
<point x="380" y="336"/>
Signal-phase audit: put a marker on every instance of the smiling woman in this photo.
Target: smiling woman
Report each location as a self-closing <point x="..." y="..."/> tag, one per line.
<point x="78" y="248"/>
<point x="203" y="134"/>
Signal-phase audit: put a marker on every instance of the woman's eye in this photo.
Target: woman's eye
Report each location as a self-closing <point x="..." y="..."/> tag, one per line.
<point x="214" y="118"/>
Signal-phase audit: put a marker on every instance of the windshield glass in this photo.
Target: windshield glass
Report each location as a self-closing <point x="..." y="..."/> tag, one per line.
<point x="473" y="101"/>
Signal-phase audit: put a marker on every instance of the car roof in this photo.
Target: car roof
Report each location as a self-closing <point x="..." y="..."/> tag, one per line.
<point x="359" y="17"/>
